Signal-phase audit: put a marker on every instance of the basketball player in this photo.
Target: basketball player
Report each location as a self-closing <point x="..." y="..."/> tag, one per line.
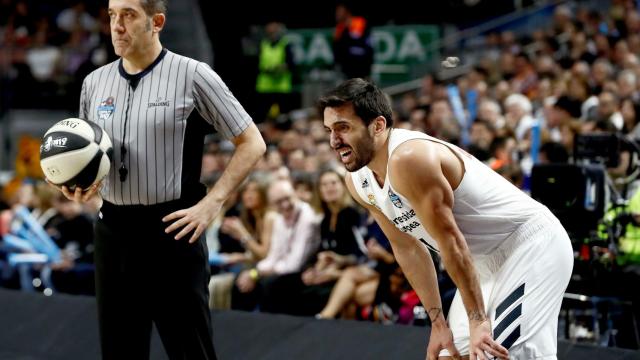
<point x="508" y="255"/>
<point x="157" y="107"/>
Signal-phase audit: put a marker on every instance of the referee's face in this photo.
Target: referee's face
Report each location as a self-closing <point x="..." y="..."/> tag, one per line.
<point x="132" y="30"/>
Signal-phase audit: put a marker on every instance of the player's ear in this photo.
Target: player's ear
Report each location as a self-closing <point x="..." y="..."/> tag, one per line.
<point x="380" y="124"/>
<point x="158" y="20"/>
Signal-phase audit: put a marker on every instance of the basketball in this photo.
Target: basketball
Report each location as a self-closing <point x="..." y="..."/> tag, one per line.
<point x="75" y="152"/>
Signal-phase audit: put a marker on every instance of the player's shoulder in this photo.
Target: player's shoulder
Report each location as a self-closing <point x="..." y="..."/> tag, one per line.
<point x="413" y="152"/>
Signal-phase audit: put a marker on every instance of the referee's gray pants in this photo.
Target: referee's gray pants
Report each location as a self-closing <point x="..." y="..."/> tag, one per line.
<point x="142" y="276"/>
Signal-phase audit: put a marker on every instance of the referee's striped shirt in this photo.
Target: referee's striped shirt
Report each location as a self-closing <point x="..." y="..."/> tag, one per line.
<point x="152" y="114"/>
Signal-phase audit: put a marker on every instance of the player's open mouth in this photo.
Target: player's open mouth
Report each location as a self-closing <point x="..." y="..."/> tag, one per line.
<point x="345" y="155"/>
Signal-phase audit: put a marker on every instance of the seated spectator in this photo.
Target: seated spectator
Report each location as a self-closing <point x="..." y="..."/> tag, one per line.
<point x="251" y="228"/>
<point x="357" y="285"/>
<point x="293" y="240"/>
<point x="306" y="292"/>
<point x="72" y="231"/>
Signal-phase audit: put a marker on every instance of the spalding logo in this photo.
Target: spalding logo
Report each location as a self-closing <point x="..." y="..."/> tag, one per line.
<point x="70" y="123"/>
<point x="51" y="143"/>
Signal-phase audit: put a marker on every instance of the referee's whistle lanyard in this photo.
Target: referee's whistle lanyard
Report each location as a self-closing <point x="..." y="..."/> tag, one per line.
<point x="123" y="171"/>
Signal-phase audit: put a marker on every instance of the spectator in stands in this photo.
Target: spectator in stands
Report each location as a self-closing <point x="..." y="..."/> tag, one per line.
<point x="76" y="17"/>
<point x="72" y="231"/>
<point x="251" y="227"/>
<point x="293" y="240"/>
<point x="358" y="284"/>
<point x="518" y="114"/>
<point x="352" y="47"/>
<point x="481" y="136"/>
<point x="274" y="84"/>
<point x="306" y="292"/>
<point x="608" y="109"/>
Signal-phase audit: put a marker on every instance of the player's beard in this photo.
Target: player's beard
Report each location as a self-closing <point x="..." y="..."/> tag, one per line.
<point x="362" y="150"/>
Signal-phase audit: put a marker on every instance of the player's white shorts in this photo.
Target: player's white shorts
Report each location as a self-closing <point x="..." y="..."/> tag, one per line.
<point x="522" y="283"/>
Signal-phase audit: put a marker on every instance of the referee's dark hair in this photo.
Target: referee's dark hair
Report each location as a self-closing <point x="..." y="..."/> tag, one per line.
<point x="152" y="7"/>
<point x="368" y="100"/>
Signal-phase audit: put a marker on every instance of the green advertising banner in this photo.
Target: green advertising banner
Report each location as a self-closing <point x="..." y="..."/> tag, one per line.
<point x="398" y="49"/>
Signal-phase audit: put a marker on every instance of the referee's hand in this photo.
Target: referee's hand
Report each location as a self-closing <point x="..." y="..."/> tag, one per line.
<point x="195" y="219"/>
<point x="78" y="195"/>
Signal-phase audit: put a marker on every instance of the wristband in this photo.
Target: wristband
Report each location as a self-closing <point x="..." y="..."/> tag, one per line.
<point x="253" y="274"/>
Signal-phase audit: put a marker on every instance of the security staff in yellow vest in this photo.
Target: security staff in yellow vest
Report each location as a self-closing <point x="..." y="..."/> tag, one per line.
<point x="275" y="77"/>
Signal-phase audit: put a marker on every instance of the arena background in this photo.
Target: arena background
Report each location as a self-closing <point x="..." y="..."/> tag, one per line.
<point x="561" y="55"/>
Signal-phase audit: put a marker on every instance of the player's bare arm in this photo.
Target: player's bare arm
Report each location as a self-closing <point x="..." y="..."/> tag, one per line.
<point x="418" y="267"/>
<point x="423" y="172"/>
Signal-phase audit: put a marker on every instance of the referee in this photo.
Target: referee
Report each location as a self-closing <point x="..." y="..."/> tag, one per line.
<point x="157" y="106"/>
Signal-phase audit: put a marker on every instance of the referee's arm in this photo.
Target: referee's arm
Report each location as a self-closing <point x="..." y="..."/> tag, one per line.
<point x="219" y="107"/>
<point x="250" y="147"/>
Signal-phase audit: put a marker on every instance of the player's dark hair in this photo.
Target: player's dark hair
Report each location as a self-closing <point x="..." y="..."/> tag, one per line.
<point x="367" y="99"/>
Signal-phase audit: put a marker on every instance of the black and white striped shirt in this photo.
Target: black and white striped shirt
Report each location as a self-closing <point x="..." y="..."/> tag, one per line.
<point x="151" y="114"/>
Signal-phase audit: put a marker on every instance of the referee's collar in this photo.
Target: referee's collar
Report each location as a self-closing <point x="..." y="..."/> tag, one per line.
<point x="135" y="78"/>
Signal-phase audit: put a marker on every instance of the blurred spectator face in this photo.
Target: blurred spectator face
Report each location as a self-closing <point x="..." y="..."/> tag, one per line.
<point x="408" y="103"/>
<point x="297" y="160"/>
<point x="601" y="71"/>
<point x="282" y="197"/>
<point x="577" y="89"/>
<point x="607" y="105"/>
<point x="342" y="13"/>
<point x="273" y="30"/>
<point x="209" y="164"/>
<point x="418" y="118"/>
<point x="626" y="83"/>
<point x="481" y="135"/>
<point x="324" y="154"/>
<point x="251" y="197"/>
<point x="274" y="159"/>
<point x="502" y="90"/>
<point x="620" y="51"/>
<point x="290" y="141"/>
<point x="131" y="33"/>
<point x="556" y="116"/>
<point x="282" y="173"/>
<point x="507" y="63"/>
<point x="349" y="137"/>
<point x="602" y="44"/>
<point x="628" y="111"/>
<point x="630" y="61"/>
<point x="316" y="131"/>
<point x="633" y="40"/>
<point x="304" y="192"/>
<point x="440" y="112"/>
<point x="331" y="187"/>
<point x="489" y="111"/>
<point x="580" y="69"/>
<point x="633" y="22"/>
<point x="545" y="65"/>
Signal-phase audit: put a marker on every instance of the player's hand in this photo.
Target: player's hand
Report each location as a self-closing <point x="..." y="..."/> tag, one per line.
<point x="196" y="218"/>
<point x="78" y="195"/>
<point x="481" y="342"/>
<point x="441" y="338"/>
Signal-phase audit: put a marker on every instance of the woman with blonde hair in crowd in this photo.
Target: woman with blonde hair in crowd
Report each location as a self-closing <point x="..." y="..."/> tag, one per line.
<point x="245" y="238"/>
<point x="306" y="292"/>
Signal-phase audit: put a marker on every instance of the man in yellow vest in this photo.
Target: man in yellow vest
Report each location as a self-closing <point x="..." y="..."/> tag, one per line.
<point x="275" y="78"/>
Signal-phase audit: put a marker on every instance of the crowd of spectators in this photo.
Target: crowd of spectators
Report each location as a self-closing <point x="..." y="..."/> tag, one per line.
<point x="292" y="240"/>
<point x="47" y="47"/>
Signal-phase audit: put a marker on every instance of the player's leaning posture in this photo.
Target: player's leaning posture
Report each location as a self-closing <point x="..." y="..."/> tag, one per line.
<point x="151" y="258"/>
<point x="508" y="255"/>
